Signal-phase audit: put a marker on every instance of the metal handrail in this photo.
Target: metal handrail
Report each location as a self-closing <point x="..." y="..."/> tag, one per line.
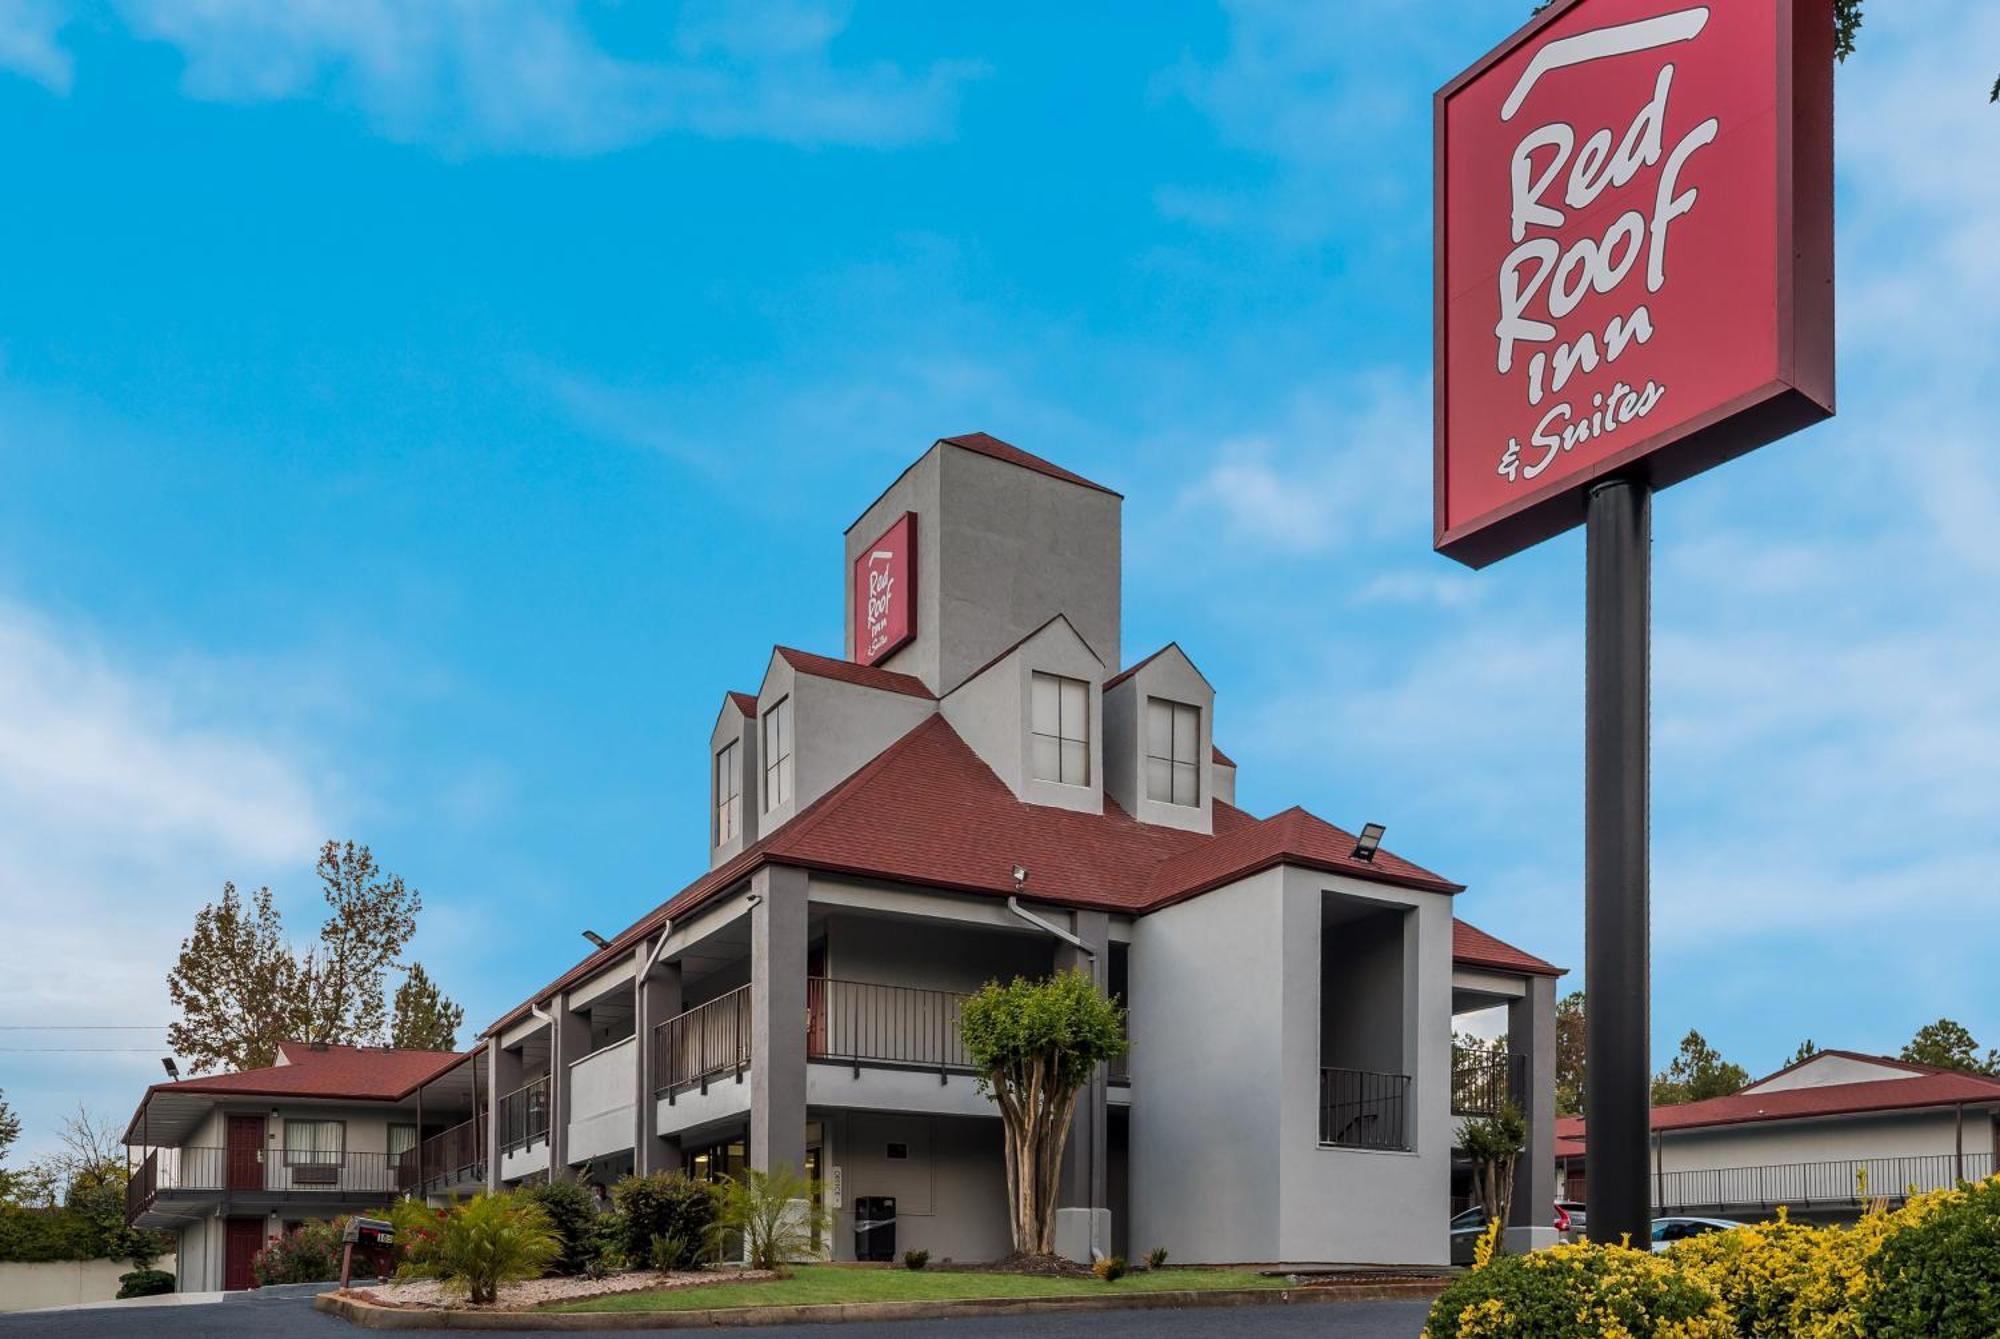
<point x="446" y="1155"/>
<point x="1362" y="1109"/>
<point x="1802" y="1185"/>
<point x="209" y="1169"/>
<point x="524" y="1115"/>
<point x="1483" y="1081"/>
<point x="860" y="1022"/>
<point x="706" y="1042"/>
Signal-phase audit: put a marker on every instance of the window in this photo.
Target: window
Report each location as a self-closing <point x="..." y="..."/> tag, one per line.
<point x="402" y="1138"/>
<point x="314" y="1143"/>
<point x="1173" y="752"/>
<point x="778" y="754"/>
<point x="728" y="793"/>
<point x="1059" y="725"/>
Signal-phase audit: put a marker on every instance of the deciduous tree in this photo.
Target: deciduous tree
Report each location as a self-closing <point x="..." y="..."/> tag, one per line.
<point x="1035" y="1044"/>
<point x="426" y="1019"/>
<point x="10" y="1130"/>
<point x="1570" y="1054"/>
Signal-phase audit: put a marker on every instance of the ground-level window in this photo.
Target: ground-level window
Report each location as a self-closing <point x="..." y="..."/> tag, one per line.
<point x="1173" y="752"/>
<point x="1059" y="729"/>
<point x="314" y="1142"/>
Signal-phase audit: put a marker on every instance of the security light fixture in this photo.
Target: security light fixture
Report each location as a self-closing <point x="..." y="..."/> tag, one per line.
<point x="1020" y="877"/>
<point x="597" y="939"/>
<point x="173" y="1070"/>
<point x="1371" y="838"/>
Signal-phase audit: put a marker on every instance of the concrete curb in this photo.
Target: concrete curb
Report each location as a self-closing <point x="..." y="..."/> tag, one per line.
<point x="371" y="1317"/>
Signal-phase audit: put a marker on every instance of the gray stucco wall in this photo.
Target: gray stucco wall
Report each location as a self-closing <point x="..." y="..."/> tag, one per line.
<point x="1363" y="984"/>
<point x="1172" y="676"/>
<point x="731" y="725"/>
<point x="1000" y="550"/>
<point x="950" y="1189"/>
<point x="991" y="712"/>
<point x="882" y="950"/>
<point x="836" y="728"/>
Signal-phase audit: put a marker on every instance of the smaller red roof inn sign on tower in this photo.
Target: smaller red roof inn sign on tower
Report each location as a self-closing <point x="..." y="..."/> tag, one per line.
<point x="1634" y="255"/>
<point x="885" y="593"/>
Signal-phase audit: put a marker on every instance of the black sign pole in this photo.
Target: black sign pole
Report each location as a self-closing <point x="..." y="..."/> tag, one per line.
<point x="1616" y="911"/>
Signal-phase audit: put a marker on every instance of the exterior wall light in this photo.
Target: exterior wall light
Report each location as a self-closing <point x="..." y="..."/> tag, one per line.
<point x="173" y="1070"/>
<point x="597" y="939"/>
<point x="1371" y="839"/>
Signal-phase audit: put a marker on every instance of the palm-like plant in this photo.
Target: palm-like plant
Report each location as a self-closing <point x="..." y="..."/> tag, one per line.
<point x="778" y="1214"/>
<point x="477" y="1244"/>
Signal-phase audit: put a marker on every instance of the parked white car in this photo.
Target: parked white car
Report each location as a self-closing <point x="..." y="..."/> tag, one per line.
<point x="1667" y="1231"/>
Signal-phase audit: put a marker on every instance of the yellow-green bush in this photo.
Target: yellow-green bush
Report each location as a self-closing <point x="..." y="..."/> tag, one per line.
<point x="1580" y="1292"/>
<point x="1939" y="1274"/>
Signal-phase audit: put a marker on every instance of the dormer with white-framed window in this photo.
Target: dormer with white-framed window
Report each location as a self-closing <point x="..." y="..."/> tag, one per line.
<point x="1034" y="715"/>
<point x="817" y="722"/>
<point x="732" y="778"/>
<point x="1159" y="751"/>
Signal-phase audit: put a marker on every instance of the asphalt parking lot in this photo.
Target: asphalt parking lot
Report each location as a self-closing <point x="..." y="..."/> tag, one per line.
<point x="264" y="1314"/>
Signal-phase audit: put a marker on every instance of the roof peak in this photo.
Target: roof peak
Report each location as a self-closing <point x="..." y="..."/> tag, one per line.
<point x="986" y="444"/>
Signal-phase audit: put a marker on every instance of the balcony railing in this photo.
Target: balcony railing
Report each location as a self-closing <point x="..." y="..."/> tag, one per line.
<point x="708" y="1042"/>
<point x="1484" y="1081"/>
<point x="169" y="1171"/>
<point x="450" y="1155"/>
<point x="861" y="1023"/>
<point x="524" y="1115"/>
<point x="1844" y="1184"/>
<point x="1360" y="1109"/>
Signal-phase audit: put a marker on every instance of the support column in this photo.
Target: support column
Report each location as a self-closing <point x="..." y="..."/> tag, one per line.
<point x="570" y="1044"/>
<point x="1083" y="1214"/>
<point x="503" y="1076"/>
<point x="778" y="1019"/>
<point x="1616" y="889"/>
<point x="659" y="999"/>
<point x="1531" y="1035"/>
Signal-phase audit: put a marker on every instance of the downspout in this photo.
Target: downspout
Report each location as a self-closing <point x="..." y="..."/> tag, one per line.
<point x="1090" y="1153"/>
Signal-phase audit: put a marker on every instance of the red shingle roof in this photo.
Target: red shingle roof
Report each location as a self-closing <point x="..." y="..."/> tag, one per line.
<point x="360" y="1073"/>
<point x="866" y="676"/>
<point x="993" y="447"/>
<point x="1941" y="1088"/>
<point x="928" y="811"/>
<point x="1221" y="758"/>
<point x="745" y="703"/>
<point x="1473" y="947"/>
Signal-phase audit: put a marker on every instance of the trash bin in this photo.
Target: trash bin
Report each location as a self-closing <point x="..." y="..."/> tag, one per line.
<point x="875" y="1227"/>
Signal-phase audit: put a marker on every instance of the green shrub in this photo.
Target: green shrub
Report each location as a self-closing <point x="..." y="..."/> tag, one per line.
<point x="145" y="1283"/>
<point x="309" y="1253"/>
<point x="84" y="1231"/>
<point x="1580" y="1292"/>
<point x="1110" y="1268"/>
<point x="669" y="1208"/>
<point x="916" y="1259"/>
<point x="1762" y="1273"/>
<point x="604" y="1246"/>
<point x="1939" y="1275"/>
<point x="778" y="1215"/>
<point x="572" y="1213"/>
<point x="1156" y="1258"/>
<point x="478" y="1244"/>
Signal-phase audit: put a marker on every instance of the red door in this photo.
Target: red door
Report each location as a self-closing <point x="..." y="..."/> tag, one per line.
<point x="244" y="1238"/>
<point x="246" y="1153"/>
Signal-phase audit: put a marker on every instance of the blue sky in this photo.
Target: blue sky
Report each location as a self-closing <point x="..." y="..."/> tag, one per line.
<point x="412" y="418"/>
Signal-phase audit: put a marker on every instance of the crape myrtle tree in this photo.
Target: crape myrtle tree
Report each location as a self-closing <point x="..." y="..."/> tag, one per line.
<point x="241" y="988"/>
<point x="1493" y="1145"/>
<point x="1035" y="1045"/>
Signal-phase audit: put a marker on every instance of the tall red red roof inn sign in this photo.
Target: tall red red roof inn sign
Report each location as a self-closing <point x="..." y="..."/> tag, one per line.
<point x="1634" y="282"/>
<point x="1634" y="255"/>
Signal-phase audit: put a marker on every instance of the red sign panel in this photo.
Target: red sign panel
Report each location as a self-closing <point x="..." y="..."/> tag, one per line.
<point x="885" y="592"/>
<point x="1634" y="255"/>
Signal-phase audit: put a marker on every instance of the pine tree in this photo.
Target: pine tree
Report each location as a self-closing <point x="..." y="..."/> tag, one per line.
<point x="426" y="1019"/>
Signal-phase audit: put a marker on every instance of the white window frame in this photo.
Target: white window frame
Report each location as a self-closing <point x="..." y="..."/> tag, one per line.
<point x="1178" y="770"/>
<point x="1060" y="746"/>
<point x="778" y="775"/>
<point x="728" y="822"/>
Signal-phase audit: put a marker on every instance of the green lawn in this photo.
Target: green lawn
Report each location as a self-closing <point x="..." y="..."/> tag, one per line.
<point x="812" y="1284"/>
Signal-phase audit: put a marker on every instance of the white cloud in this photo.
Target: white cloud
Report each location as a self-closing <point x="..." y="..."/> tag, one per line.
<point x="530" y="75"/>
<point x="29" y="45"/>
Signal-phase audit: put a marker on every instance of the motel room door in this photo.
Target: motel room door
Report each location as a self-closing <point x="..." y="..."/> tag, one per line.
<point x="245" y="1154"/>
<point x="243" y="1239"/>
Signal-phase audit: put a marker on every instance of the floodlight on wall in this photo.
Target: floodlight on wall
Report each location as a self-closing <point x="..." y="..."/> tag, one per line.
<point x="597" y="939"/>
<point x="173" y="1070"/>
<point x="1371" y="839"/>
<point x="1020" y="877"/>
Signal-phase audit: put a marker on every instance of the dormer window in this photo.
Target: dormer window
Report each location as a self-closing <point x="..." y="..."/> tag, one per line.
<point x="728" y="793"/>
<point x="778" y="754"/>
<point x="1059" y="730"/>
<point x="1173" y="752"/>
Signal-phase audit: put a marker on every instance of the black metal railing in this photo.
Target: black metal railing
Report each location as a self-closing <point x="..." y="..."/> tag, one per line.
<point x="458" y="1153"/>
<point x="1361" y="1109"/>
<point x="1839" y="1184"/>
<point x="706" y="1043"/>
<point x="862" y="1023"/>
<point x="1484" y="1081"/>
<point x="524" y="1115"/>
<point x="222" y="1170"/>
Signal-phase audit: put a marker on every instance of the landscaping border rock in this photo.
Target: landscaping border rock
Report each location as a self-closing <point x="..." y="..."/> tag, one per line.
<point x="371" y="1317"/>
